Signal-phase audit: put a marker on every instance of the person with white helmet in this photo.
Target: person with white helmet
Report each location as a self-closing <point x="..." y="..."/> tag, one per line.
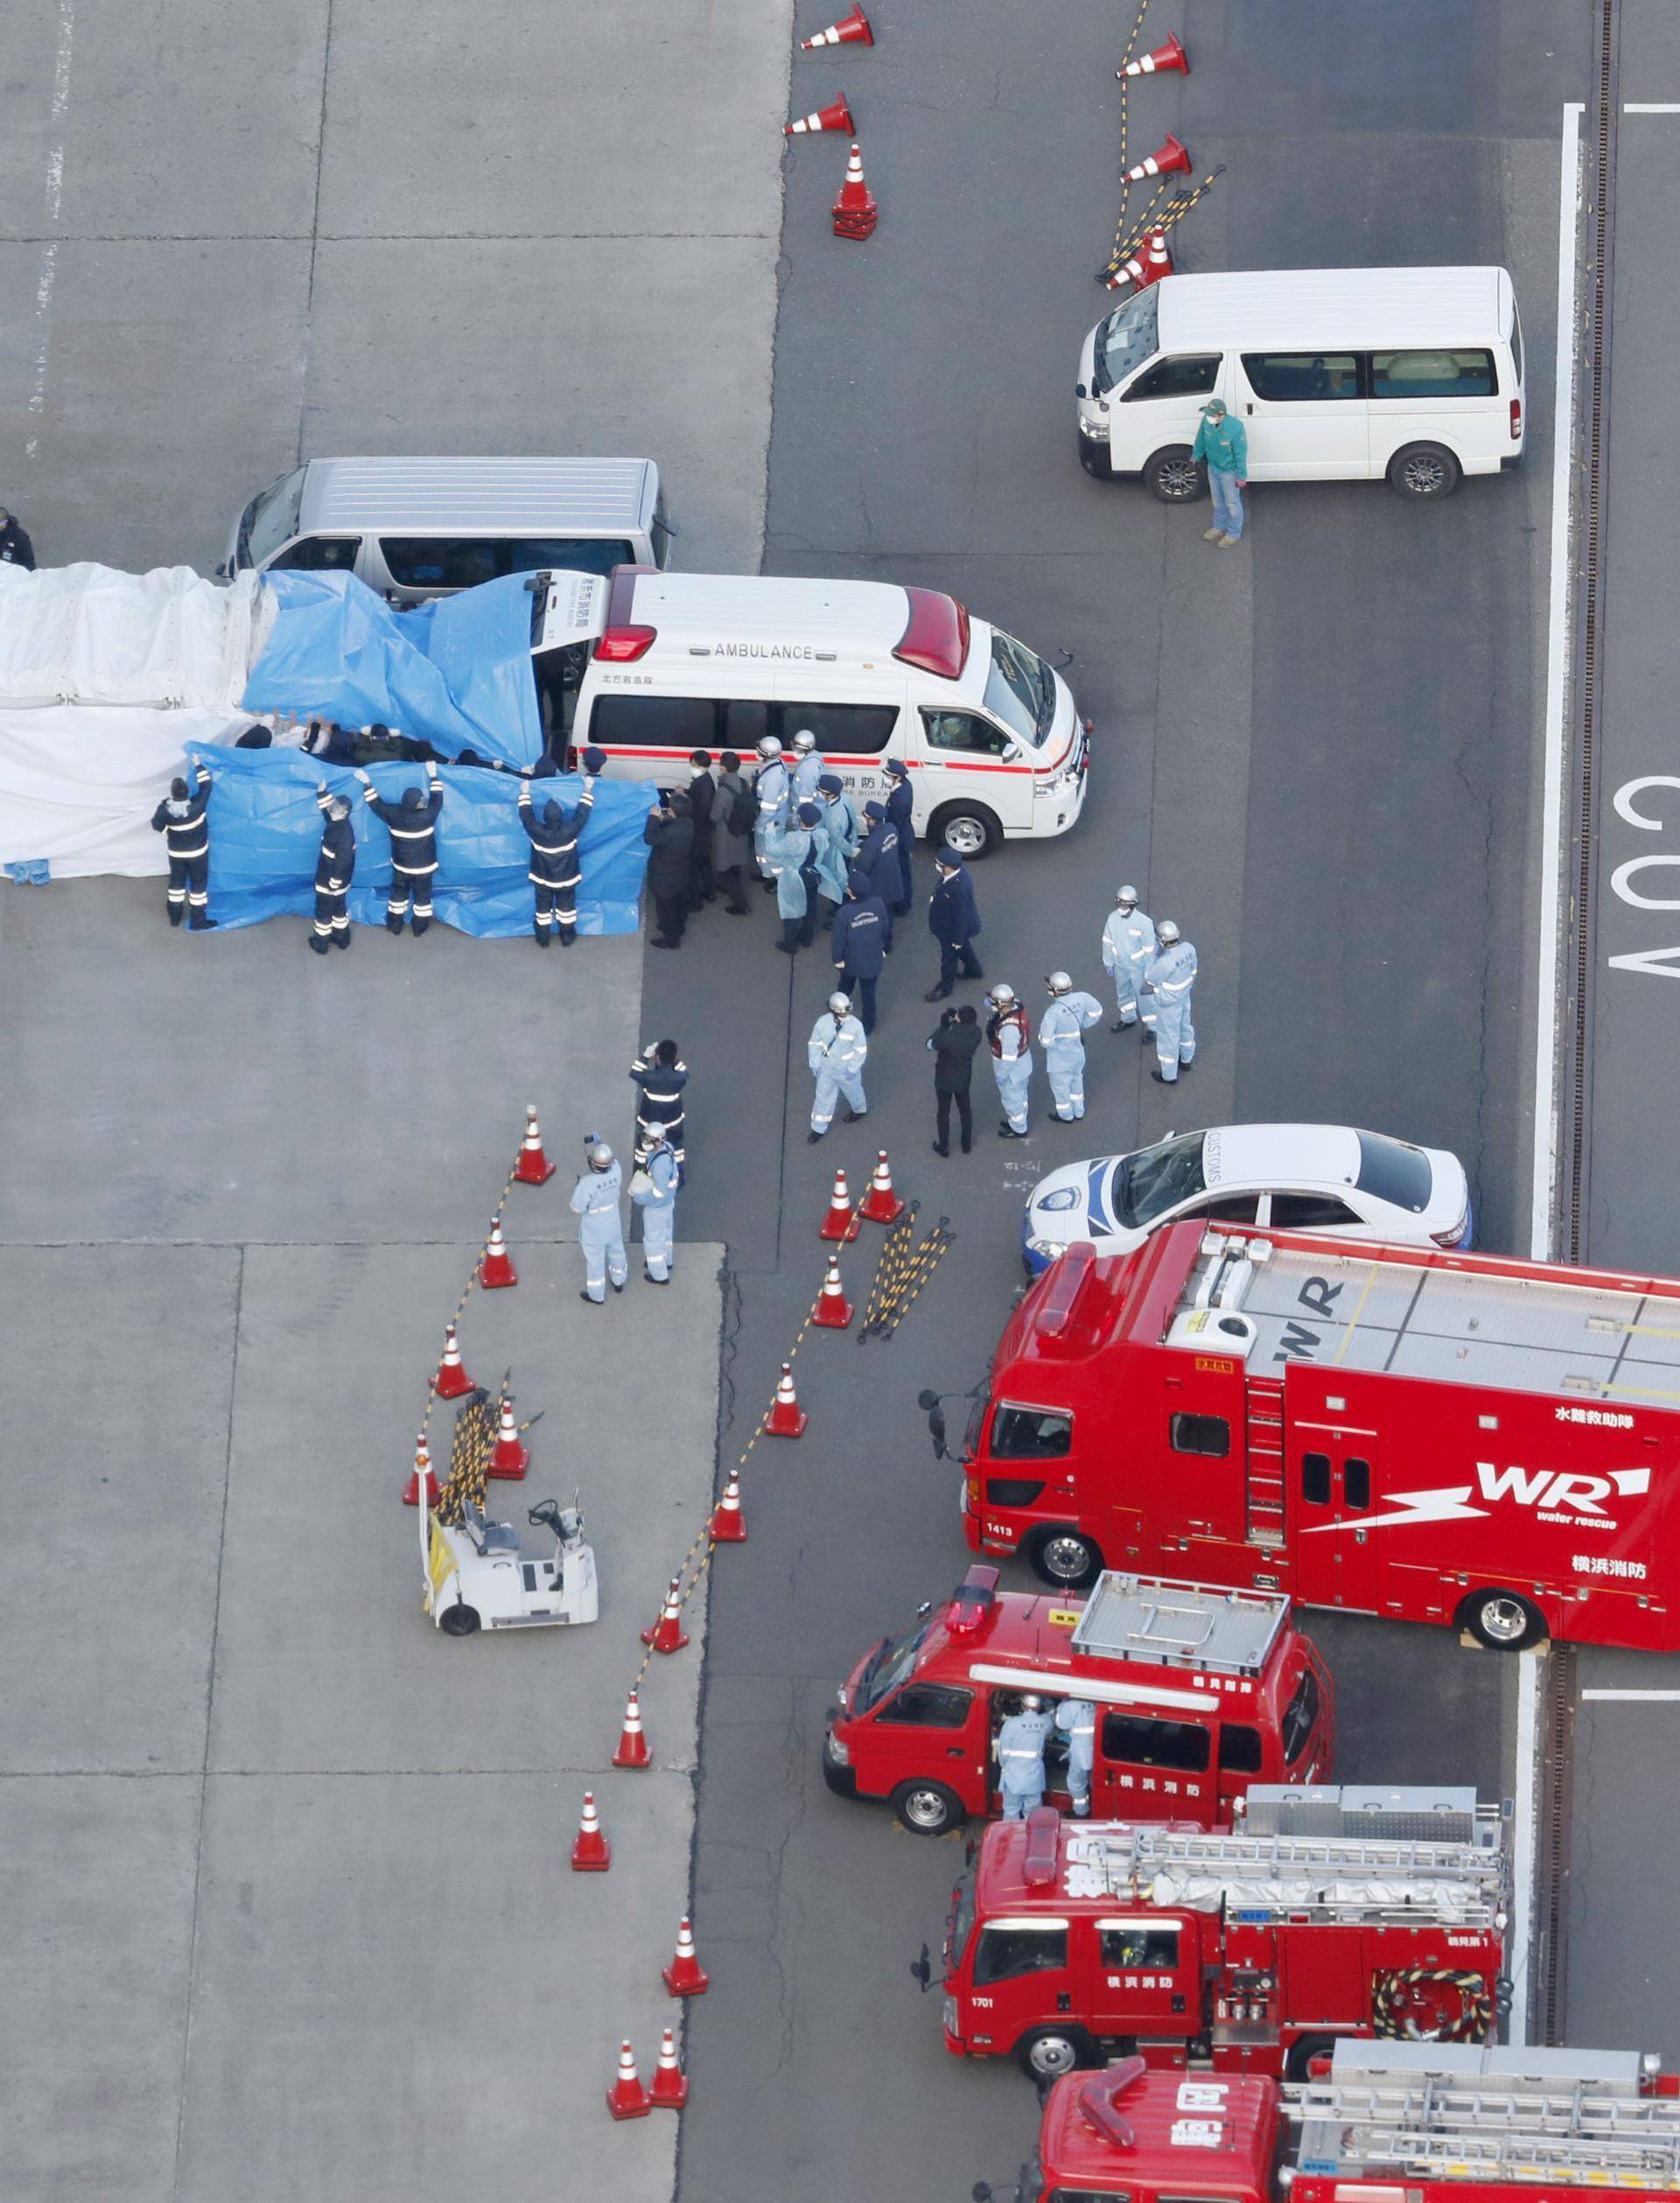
<point x="1127" y="944"/>
<point x="1061" y="1035"/>
<point x="1168" y="979"/>
<point x="1010" y="1038"/>
<point x="1021" y="1758"/>
<point x="600" y="1224"/>
<point x="652" y="1189"/>
<point x="773" y="786"/>
<point x="838" y="1048"/>
<point x="808" y="767"/>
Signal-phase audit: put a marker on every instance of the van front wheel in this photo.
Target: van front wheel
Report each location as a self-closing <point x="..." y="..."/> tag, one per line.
<point x="968" y="830"/>
<point x="1175" y="475"/>
<point x="1425" y="469"/>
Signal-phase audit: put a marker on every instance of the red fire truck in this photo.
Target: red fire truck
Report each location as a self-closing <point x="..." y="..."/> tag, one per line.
<point x="1322" y="1913"/>
<point x="1392" y="2122"/>
<point x="1198" y="1693"/>
<point x="1439" y="1436"/>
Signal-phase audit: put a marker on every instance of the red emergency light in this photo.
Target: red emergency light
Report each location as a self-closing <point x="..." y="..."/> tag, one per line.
<point x="971" y="1602"/>
<point x="935" y="637"/>
<point x="1099" y="2102"/>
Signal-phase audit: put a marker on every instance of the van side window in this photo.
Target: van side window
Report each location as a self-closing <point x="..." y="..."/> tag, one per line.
<point x="961" y="730"/>
<point x="1031" y="1434"/>
<point x="1193" y="376"/>
<point x="440" y="561"/>
<point x="847" y="729"/>
<point x="746" y="721"/>
<point x="1301" y="1716"/>
<point x="1209" y="1434"/>
<point x="1007" y="1953"/>
<point x="1433" y="374"/>
<point x="1129" y="1943"/>
<point x="319" y="554"/>
<point x="1184" y="1745"/>
<point x="928" y="1705"/>
<point x="655" y="723"/>
<point x="569" y="553"/>
<point x="1300" y="377"/>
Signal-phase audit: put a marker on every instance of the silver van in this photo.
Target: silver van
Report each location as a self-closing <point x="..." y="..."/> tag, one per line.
<point x="417" y="528"/>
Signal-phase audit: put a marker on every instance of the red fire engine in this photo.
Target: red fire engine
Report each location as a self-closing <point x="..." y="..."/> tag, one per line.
<point x="1322" y="1913"/>
<point x="1393" y="2122"/>
<point x="1197" y="1693"/>
<point x="1444" y="1437"/>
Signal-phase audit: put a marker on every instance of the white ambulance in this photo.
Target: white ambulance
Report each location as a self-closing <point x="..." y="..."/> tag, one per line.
<point x="650" y="667"/>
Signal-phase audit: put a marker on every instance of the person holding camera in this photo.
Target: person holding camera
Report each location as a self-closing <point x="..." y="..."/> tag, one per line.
<point x="954" y="1047"/>
<point x="669" y="833"/>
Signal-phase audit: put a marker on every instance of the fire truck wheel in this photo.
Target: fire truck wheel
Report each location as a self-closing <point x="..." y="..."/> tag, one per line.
<point x="1503" y="1620"/>
<point x="1297" y="2064"/>
<point x="1066" y="1559"/>
<point x="1047" y="2052"/>
<point x="928" y="1808"/>
<point x="460" y="1621"/>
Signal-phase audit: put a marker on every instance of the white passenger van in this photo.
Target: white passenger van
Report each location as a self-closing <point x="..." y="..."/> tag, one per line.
<point x="650" y="667"/>
<point x="1411" y="375"/>
<point x="417" y="528"/>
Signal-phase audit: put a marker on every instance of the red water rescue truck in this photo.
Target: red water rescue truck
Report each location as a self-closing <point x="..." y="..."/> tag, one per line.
<point x="1198" y="1693"/>
<point x="1324" y="1913"/>
<point x="1439" y="1436"/>
<point x="1392" y="2122"/>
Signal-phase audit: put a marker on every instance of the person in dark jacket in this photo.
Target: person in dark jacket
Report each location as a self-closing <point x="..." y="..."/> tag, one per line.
<point x="703" y="800"/>
<point x="413" y="827"/>
<point x="334" y="870"/>
<point x="900" y="806"/>
<point x="661" y="1075"/>
<point x="732" y="832"/>
<point x="954" y="1046"/>
<point x="180" y="818"/>
<point x="16" y="549"/>
<point x="556" y="871"/>
<point x="863" y="941"/>
<point x="878" y="853"/>
<point x="669" y="833"/>
<point x="953" y="919"/>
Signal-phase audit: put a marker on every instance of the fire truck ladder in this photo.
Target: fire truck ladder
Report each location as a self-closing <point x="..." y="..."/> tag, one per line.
<point x="1495" y="2127"/>
<point x="1265" y="1461"/>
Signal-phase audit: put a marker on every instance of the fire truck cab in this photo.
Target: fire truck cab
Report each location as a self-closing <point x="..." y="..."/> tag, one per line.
<point x="1324" y="1912"/>
<point x="1198" y="1693"/>
<point x="1391" y="2122"/>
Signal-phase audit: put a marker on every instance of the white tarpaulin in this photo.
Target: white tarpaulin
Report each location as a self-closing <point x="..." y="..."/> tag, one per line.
<point x="168" y="640"/>
<point x="78" y="786"/>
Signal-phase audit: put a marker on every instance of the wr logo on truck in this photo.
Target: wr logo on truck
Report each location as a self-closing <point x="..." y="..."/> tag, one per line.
<point x="1556" y="1495"/>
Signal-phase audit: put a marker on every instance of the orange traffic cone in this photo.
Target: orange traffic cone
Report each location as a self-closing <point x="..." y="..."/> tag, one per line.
<point x="833" y="1310"/>
<point x="671" y="2089"/>
<point x="421" y="1468"/>
<point x="511" y="1458"/>
<point x="1143" y="270"/>
<point x="851" y="30"/>
<point x="533" y="1167"/>
<point x="685" y="1977"/>
<point x="667" y="1634"/>
<point x="1171" y="159"/>
<point x="855" y="212"/>
<point x="881" y="1204"/>
<point x="728" y="1525"/>
<point x="837" y="118"/>
<point x="627" y="2098"/>
<point x="787" y="1419"/>
<point x="591" y="1852"/>
<point x="495" y="1265"/>
<point x="633" y="1745"/>
<point x="839" y="1223"/>
<point x="451" y="1380"/>
<point x="1170" y="56"/>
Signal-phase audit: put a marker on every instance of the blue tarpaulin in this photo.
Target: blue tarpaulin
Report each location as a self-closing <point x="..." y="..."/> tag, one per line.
<point x="265" y="835"/>
<point x="456" y="672"/>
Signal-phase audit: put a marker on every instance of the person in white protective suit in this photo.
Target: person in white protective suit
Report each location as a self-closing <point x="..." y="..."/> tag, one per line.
<point x="1168" y="979"/>
<point x="1076" y="1718"/>
<point x="1127" y="944"/>
<point x="1061" y="1035"/>
<point x="1020" y="1758"/>
<point x="601" y="1223"/>
<point x="837" y="1049"/>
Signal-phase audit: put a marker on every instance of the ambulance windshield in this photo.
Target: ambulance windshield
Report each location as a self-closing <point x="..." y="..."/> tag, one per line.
<point x="1020" y="689"/>
<point x="890" y="1663"/>
<point x="1157" y="1179"/>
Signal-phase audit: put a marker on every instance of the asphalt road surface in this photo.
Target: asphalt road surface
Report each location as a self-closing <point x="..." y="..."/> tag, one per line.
<point x="1315" y="752"/>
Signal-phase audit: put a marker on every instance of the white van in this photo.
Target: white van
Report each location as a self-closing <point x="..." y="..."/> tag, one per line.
<point x="418" y="529"/>
<point x="1411" y="375"/>
<point x="650" y="667"/>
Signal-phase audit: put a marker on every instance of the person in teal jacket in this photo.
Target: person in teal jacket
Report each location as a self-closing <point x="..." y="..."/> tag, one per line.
<point x="790" y="851"/>
<point x="1223" y="445"/>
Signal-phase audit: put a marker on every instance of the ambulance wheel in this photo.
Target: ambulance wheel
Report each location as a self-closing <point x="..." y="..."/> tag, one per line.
<point x="1302" y="2053"/>
<point x="1424" y="470"/>
<point x="968" y="830"/>
<point x="1502" y="1620"/>
<point x="1047" y="2052"/>
<point x="1066" y="1559"/>
<point x="1175" y="476"/>
<point x="928" y="1808"/>
<point x="460" y="1621"/>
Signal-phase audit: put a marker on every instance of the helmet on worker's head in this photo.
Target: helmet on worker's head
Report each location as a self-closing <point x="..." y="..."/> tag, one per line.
<point x="1166" y="932"/>
<point x="804" y="741"/>
<point x="769" y="748"/>
<point x="1059" y="983"/>
<point x="840" y="1005"/>
<point x="1127" y="898"/>
<point x="1002" y="996"/>
<point x="1032" y="1703"/>
<point x="600" y="1157"/>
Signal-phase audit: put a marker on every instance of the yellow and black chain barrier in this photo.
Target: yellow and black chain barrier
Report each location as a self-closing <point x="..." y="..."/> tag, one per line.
<point x="472" y="1280"/>
<point x="469" y="1457"/>
<point x="911" y="1271"/>
<point x="1125" y="183"/>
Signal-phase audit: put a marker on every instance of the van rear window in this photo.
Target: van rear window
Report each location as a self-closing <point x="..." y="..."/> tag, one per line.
<point x="1433" y="374"/>
<point x="463" y="562"/>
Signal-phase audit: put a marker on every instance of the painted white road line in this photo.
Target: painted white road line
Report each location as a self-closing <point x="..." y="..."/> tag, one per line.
<point x="1551" y="829"/>
<point x="1522" y="1850"/>
<point x="1651" y="107"/>
<point x="1637" y="1697"/>
<point x="46" y="278"/>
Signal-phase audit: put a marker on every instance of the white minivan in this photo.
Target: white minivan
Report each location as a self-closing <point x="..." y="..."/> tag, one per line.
<point x="651" y="667"/>
<point x="1410" y="375"/>
<point x="414" y="529"/>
